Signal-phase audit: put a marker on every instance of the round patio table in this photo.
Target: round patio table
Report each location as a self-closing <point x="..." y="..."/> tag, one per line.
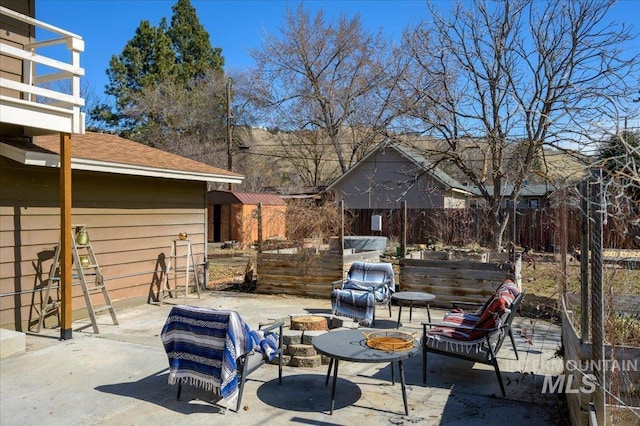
<point x="350" y="345"/>
<point x="411" y="297"/>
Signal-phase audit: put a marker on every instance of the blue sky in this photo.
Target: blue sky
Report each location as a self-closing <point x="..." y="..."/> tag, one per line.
<point x="235" y="26"/>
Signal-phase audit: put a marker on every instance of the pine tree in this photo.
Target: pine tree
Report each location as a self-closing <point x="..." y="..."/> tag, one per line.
<point x="194" y="54"/>
<point x="176" y="54"/>
<point x="620" y="152"/>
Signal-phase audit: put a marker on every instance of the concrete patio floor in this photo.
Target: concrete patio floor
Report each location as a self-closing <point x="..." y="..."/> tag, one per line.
<point x="119" y="377"/>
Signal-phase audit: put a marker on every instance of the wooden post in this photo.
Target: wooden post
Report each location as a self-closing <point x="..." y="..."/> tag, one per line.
<point x="65" y="236"/>
<point x="564" y="241"/>
<point x="341" y="242"/>
<point x="260" y="227"/>
<point x="403" y="230"/>
<point x="597" y="294"/>
<point x="584" y="262"/>
<point x="229" y="141"/>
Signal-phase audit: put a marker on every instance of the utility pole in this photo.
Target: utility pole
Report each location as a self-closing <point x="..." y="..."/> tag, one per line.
<point x="229" y="155"/>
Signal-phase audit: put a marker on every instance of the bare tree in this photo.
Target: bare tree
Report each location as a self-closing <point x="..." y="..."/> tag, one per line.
<point x="516" y="76"/>
<point x="331" y="82"/>
<point x="185" y="122"/>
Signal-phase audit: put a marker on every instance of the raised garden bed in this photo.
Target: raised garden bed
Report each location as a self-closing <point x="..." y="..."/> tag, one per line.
<point x="457" y="280"/>
<point x="306" y="273"/>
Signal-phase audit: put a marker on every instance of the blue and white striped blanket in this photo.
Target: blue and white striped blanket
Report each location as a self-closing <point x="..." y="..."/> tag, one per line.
<point x="363" y="275"/>
<point x="203" y="346"/>
<point x="355" y="299"/>
<point x="359" y="305"/>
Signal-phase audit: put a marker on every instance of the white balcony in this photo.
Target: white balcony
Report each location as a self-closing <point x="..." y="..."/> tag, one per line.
<point x="44" y="96"/>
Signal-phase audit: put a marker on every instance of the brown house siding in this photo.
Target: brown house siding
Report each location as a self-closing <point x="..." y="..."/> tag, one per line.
<point x="131" y="220"/>
<point x="16" y="34"/>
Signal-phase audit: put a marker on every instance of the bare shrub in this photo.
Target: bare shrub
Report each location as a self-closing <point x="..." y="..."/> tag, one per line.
<point x="306" y="220"/>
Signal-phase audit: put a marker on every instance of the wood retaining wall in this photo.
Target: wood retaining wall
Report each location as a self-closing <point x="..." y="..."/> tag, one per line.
<point x="456" y="280"/>
<point x="307" y="273"/>
<point x="622" y="377"/>
<point x="571" y="346"/>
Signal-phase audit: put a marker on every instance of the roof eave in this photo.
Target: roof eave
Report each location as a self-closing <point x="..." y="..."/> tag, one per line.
<point x="461" y="191"/>
<point x="40" y="159"/>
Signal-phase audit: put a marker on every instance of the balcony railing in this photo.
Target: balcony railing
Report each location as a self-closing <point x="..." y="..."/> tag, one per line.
<point x="48" y="97"/>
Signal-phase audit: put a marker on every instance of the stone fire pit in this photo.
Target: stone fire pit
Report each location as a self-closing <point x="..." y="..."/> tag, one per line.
<point x="298" y="338"/>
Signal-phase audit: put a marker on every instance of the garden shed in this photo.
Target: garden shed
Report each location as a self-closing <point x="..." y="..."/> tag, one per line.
<point x="245" y="217"/>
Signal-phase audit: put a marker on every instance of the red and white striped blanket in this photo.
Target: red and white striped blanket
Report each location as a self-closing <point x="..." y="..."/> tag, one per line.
<point x="467" y="330"/>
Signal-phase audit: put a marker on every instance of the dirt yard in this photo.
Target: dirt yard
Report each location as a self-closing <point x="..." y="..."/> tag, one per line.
<point x="228" y="267"/>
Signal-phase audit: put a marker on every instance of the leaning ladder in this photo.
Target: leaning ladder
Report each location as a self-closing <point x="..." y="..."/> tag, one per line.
<point x="89" y="277"/>
<point x="180" y="265"/>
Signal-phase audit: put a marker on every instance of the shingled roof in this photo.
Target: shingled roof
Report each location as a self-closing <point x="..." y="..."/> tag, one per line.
<point x="112" y="154"/>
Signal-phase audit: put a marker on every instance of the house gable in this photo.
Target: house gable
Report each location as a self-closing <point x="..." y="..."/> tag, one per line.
<point x="384" y="178"/>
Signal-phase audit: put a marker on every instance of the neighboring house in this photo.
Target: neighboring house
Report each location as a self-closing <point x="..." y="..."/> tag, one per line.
<point x="392" y="173"/>
<point x="134" y="200"/>
<point x="531" y="196"/>
<point x="233" y="216"/>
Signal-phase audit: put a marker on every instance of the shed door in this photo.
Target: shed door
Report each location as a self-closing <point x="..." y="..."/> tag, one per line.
<point x="217" y="224"/>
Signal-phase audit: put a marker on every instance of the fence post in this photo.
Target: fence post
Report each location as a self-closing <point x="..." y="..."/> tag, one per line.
<point x="260" y="227"/>
<point x="341" y="242"/>
<point x="584" y="261"/>
<point x="597" y="301"/>
<point x="403" y="229"/>
<point x="564" y="241"/>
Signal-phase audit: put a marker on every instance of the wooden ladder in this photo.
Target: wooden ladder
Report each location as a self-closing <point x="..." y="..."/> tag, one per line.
<point x="50" y="303"/>
<point x="176" y="271"/>
<point x="88" y="274"/>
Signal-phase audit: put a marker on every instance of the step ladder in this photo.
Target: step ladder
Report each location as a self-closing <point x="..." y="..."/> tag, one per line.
<point x="51" y="302"/>
<point x="180" y="268"/>
<point x="87" y="273"/>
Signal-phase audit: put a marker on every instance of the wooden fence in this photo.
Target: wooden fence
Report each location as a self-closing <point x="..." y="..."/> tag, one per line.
<point x="456" y="280"/>
<point x="306" y="273"/>
<point x="535" y="228"/>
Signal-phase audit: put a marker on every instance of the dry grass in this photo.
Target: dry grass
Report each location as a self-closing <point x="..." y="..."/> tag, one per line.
<point x="542" y="281"/>
<point x="227" y="267"/>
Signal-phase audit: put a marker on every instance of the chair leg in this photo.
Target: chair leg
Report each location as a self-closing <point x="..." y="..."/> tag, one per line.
<point x="179" y="388"/>
<point x="513" y="343"/>
<point x="243" y="378"/>
<point x="495" y="366"/>
<point x="241" y="388"/>
<point x="494" y="362"/>
<point x="280" y="354"/>
<point x="424" y="354"/>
